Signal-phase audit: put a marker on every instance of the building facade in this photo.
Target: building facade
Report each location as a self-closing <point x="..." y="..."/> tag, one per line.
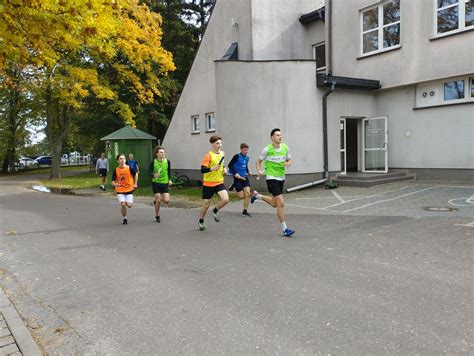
<point x="397" y="76"/>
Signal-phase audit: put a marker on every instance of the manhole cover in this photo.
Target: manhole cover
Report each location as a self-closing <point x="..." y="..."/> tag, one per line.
<point x="439" y="208"/>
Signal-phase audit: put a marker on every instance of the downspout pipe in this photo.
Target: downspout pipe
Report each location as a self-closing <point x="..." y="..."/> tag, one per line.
<point x="325" y="144"/>
<point x="325" y="130"/>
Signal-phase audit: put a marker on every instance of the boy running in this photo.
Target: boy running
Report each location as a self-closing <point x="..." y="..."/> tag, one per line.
<point x="133" y="164"/>
<point x="102" y="167"/>
<point x="213" y="169"/>
<point x="277" y="158"/>
<point x="160" y="171"/>
<point x="239" y="168"/>
<point x="124" y="180"/>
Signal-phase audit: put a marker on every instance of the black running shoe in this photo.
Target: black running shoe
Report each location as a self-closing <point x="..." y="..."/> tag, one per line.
<point x="246" y="214"/>
<point x="157" y="219"/>
<point x="125" y="221"/>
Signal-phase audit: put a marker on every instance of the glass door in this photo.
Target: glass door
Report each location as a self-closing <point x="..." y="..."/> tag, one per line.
<point x="374" y="140"/>
<point x="342" y="129"/>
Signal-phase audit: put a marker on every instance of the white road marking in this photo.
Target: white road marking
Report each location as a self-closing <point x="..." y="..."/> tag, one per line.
<point x="462" y="202"/>
<point x="338" y="196"/>
<point x="391" y="199"/>
<point x="470" y="200"/>
<point x="471" y="224"/>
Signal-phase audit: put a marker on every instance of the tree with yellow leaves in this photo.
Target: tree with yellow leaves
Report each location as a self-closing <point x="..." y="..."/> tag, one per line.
<point x="80" y="49"/>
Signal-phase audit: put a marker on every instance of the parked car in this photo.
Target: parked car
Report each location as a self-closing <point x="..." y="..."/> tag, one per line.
<point x="64" y="159"/>
<point x="43" y="160"/>
<point x="25" y="162"/>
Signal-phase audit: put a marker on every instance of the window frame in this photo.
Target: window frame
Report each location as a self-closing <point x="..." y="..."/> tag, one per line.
<point x="461" y="19"/>
<point x="459" y="100"/>
<point x="470" y="88"/>
<point x="313" y="49"/>
<point x="195" y="131"/>
<point x="380" y="27"/>
<point x="208" y="128"/>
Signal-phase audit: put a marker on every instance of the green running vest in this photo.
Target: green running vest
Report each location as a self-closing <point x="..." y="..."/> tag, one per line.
<point x="275" y="161"/>
<point x="162" y="168"/>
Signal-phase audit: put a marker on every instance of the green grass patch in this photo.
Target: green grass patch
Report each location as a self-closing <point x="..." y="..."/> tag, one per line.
<point x="91" y="181"/>
<point x="77" y="181"/>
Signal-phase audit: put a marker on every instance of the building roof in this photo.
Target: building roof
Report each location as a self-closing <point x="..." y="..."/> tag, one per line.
<point x="323" y="80"/>
<point x="313" y="16"/>
<point x="128" y="133"/>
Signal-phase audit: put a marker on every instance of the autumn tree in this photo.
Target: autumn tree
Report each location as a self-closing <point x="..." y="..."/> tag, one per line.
<point x="110" y="51"/>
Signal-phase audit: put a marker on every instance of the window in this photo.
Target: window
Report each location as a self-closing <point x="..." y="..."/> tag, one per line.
<point x="380" y="27"/>
<point x="454" y="90"/>
<point x="319" y="54"/>
<point x="472" y="88"/>
<point x="196" y="124"/>
<point x="210" y="122"/>
<point x="454" y="15"/>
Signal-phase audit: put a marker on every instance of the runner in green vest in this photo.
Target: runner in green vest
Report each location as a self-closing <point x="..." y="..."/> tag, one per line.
<point x="277" y="158"/>
<point x="160" y="171"/>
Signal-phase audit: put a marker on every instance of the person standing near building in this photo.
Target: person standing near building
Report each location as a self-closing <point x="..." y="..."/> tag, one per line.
<point x="124" y="180"/>
<point x="101" y="168"/>
<point x="160" y="171"/>
<point x="132" y="163"/>
<point x="213" y="169"/>
<point x="238" y="167"/>
<point x="277" y="158"/>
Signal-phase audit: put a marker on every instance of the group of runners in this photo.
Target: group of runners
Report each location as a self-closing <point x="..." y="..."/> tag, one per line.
<point x="272" y="162"/>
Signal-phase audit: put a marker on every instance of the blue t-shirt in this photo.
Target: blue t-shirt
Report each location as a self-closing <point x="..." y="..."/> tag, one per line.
<point x="239" y="164"/>
<point x="133" y="164"/>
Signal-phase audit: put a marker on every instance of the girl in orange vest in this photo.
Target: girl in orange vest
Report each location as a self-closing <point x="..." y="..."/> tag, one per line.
<point x="124" y="180"/>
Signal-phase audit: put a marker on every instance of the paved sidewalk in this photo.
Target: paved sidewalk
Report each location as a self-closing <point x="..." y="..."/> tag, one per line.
<point x="15" y="338"/>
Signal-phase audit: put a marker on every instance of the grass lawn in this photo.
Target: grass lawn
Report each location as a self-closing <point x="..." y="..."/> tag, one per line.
<point x="91" y="181"/>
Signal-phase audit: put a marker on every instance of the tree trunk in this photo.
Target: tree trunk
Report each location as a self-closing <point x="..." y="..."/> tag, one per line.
<point x="58" y="121"/>
<point x="9" y="161"/>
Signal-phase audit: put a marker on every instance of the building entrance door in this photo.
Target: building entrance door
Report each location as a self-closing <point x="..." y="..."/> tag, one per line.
<point x="374" y="142"/>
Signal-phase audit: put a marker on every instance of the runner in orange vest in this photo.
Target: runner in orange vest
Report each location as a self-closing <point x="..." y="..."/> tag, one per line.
<point x="124" y="180"/>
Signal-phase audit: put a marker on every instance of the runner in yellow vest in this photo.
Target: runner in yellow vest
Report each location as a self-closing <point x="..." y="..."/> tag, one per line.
<point x="213" y="170"/>
<point x="160" y="173"/>
<point x="277" y="158"/>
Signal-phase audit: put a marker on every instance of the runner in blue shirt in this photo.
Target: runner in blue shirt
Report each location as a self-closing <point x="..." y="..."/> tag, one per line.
<point x="239" y="168"/>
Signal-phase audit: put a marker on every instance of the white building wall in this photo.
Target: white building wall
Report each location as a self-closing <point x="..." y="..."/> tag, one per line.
<point x="185" y="150"/>
<point x="255" y="97"/>
<point x="437" y="137"/>
<point x="276" y="30"/>
<point x="420" y="58"/>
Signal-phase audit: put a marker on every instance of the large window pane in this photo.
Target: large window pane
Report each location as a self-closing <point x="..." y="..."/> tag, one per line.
<point x="454" y="90"/>
<point x="391" y="12"/>
<point x="470" y="13"/>
<point x="391" y="35"/>
<point x="472" y="88"/>
<point x="370" y="19"/>
<point x="448" y="19"/>
<point x="443" y="3"/>
<point x="374" y="160"/>
<point x="371" y="41"/>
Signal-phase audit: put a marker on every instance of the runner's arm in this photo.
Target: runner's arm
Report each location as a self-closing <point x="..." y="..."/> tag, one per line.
<point x="231" y="164"/>
<point x="151" y="169"/>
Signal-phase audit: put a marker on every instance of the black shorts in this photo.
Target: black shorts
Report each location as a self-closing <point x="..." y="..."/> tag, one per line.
<point x="160" y="188"/>
<point x="208" y="192"/>
<point x="275" y="187"/>
<point x="102" y="172"/>
<point x="239" y="184"/>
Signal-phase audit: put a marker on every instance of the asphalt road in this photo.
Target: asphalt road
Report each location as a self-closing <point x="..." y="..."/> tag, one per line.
<point x="348" y="283"/>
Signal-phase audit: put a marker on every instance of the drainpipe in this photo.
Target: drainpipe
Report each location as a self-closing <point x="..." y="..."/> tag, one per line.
<point x="325" y="144"/>
<point x="325" y="130"/>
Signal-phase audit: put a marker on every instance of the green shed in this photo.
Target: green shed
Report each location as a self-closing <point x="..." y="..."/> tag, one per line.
<point x="130" y="140"/>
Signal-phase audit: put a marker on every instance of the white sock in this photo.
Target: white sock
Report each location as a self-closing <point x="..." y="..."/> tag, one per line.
<point x="283" y="226"/>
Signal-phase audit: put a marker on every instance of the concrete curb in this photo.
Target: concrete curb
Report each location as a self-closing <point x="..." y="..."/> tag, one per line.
<point x="16" y="337"/>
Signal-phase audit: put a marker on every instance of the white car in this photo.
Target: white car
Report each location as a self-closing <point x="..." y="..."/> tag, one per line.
<point x="26" y="162"/>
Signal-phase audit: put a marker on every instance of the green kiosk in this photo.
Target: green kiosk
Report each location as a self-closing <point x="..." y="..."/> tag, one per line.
<point x="130" y="140"/>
